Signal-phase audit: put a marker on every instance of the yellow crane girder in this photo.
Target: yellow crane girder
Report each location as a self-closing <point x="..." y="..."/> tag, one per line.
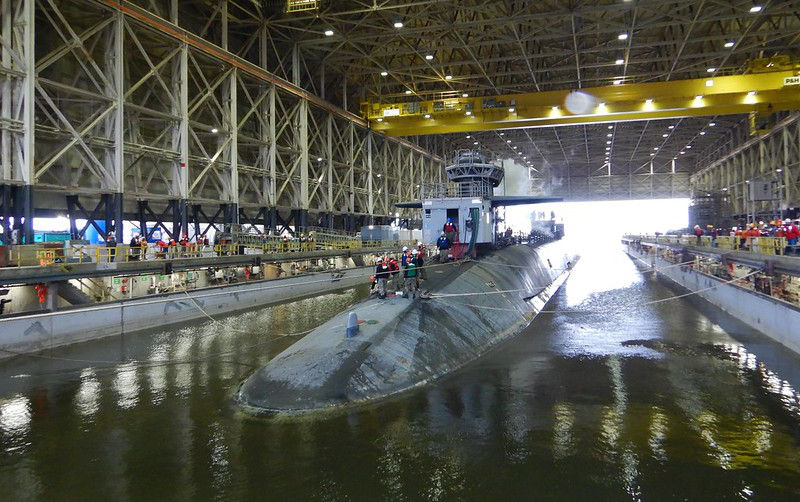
<point x="762" y="93"/>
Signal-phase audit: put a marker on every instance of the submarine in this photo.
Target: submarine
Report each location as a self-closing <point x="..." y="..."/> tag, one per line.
<point x="487" y="292"/>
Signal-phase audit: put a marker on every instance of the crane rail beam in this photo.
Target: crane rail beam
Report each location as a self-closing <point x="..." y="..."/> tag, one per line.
<point x="764" y="93"/>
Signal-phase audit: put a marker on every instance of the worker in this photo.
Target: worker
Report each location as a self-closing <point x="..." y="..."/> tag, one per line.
<point x="443" y="243"/>
<point x="410" y="279"/>
<point x="302" y="241"/>
<point x="172" y="246"/>
<point x="698" y="233"/>
<point x="739" y="234"/>
<point x="285" y="243"/>
<point x="381" y="277"/>
<point x="135" y="249"/>
<point x="404" y="257"/>
<point x="111" y="245"/>
<point x="143" y="247"/>
<point x="185" y="243"/>
<point x="162" y="248"/>
<point x="419" y="263"/>
<point x="450" y="230"/>
<point x="792" y="233"/>
<point x="310" y="241"/>
<point x="752" y="234"/>
<point x="394" y="268"/>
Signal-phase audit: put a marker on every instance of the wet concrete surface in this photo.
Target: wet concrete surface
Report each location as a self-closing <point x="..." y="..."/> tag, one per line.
<point x="603" y="399"/>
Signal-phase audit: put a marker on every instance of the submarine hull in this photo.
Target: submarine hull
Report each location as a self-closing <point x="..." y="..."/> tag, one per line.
<point x="405" y="343"/>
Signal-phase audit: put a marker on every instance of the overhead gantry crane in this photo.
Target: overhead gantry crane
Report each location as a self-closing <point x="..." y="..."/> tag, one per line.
<point x="771" y="85"/>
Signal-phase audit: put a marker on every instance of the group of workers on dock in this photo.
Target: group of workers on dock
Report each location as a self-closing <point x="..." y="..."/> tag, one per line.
<point x="746" y="237"/>
<point x="405" y="273"/>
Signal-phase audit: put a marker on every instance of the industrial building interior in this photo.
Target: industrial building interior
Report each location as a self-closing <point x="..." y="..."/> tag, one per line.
<point x="399" y="249"/>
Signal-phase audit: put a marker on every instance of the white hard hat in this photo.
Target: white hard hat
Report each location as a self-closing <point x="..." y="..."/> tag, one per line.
<point x="787" y="221"/>
<point x="419" y="243"/>
<point x="442" y="233"/>
<point x="405" y="248"/>
<point x="414" y="252"/>
<point x="697" y="226"/>
<point x="379" y="260"/>
<point x="734" y="228"/>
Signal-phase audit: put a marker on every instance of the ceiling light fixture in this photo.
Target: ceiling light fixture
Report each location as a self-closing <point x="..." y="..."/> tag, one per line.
<point x="380" y="119"/>
<point x="611" y="127"/>
<point x="512" y="110"/>
<point x="648" y="101"/>
<point x="475" y="143"/>
<point x="712" y="124"/>
<point x="398" y="24"/>
<point x="702" y="133"/>
<point x="711" y="70"/>
<point x="328" y="33"/>
<point x="448" y="77"/>
<point x="698" y="97"/>
<point x="620" y="61"/>
<point x="508" y="141"/>
<point x="408" y="91"/>
<point x="429" y="56"/>
<point x="622" y="36"/>
<point x="214" y="130"/>
<point x="728" y="45"/>
<point x="427" y="115"/>
<point x="384" y="73"/>
<point x="464" y="95"/>
<point x="467" y="112"/>
<point x="709" y="83"/>
<point x="756" y="8"/>
<point x="617" y="81"/>
<point x="319" y="159"/>
<point x="664" y="135"/>
<point x="751" y="93"/>
<point x="671" y="127"/>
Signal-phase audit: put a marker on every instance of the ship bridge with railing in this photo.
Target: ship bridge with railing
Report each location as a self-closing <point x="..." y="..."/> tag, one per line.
<point x="467" y="200"/>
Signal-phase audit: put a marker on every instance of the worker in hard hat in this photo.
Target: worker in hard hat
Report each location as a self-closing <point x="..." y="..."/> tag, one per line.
<point x="792" y="233"/>
<point x="394" y="272"/>
<point x="698" y="234"/>
<point x="419" y="262"/>
<point x="410" y="278"/>
<point x="134" y="247"/>
<point x="443" y="243"/>
<point x="752" y="234"/>
<point x="381" y="277"/>
<point x="405" y="256"/>
<point x="450" y="230"/>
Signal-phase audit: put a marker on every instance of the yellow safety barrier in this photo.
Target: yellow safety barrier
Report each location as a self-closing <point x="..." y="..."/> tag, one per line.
<point x="761" y="245"/>
<point x="36" y="255"/>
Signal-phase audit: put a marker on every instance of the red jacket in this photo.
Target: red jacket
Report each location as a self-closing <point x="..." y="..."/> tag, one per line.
<point x="791" y="231"/>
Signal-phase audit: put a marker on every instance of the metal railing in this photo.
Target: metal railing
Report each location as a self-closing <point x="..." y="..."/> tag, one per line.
<point x="37" y="255"/>
<point x="454" y="190"/>
<point x="776" y="246"/>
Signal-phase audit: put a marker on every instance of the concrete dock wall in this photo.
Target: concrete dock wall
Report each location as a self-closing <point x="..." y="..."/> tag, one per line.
<point x="775" y="318"/>
<point x="35" y="332"/>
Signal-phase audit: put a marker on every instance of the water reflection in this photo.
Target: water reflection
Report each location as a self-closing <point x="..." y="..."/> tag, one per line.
<point x="609" y="403"/>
